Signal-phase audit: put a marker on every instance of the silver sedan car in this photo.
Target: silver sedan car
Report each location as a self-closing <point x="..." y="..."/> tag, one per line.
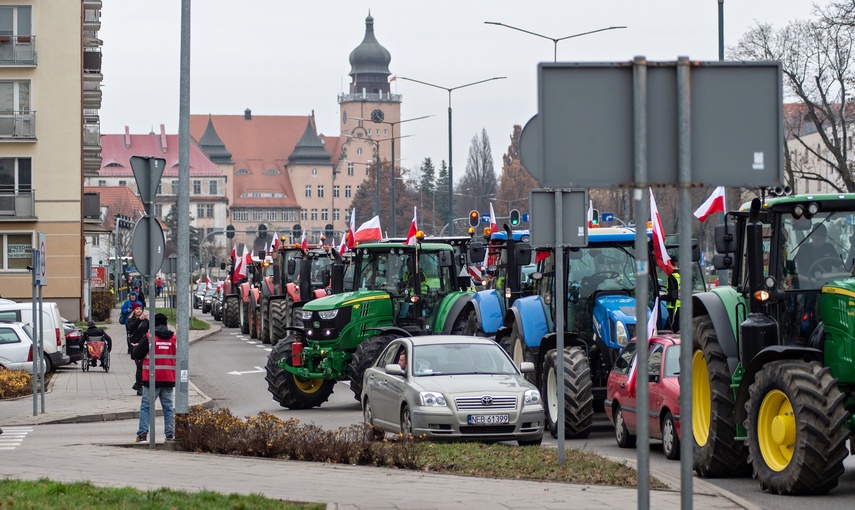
<point x="447" y="387"/>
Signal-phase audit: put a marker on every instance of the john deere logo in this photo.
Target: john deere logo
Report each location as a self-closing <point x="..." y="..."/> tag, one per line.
<point x="317" y="324"/>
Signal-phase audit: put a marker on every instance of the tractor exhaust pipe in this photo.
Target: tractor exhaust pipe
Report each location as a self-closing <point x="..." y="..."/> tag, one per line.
<point x="759" y="330"/>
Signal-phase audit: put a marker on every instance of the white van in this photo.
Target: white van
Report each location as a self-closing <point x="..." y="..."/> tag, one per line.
<point x="53" y="333"/>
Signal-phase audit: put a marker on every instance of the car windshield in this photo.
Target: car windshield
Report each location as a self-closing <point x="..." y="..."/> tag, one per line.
<point x="459" y="359"/>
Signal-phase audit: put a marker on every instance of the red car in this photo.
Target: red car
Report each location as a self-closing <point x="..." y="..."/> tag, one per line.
<point x="664" y="384"/>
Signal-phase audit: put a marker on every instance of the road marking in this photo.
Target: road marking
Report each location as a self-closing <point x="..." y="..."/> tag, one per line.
<point x="12" y="437"/>
<point x="251" y="342"/>
<point x="258" y="370"/>
<point x="268" y="349"/>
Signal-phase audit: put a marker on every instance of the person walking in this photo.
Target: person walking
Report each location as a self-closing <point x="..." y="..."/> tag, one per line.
<point x="93" y="332"/>
<point x="136" y="329"/>
<point x="127" y="307"/>
<point x="165" y="347"/>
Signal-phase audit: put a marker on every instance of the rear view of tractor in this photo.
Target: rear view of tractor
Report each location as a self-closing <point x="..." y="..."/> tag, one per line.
<point x="773" y="388"/>
<point x="400" y="290"/>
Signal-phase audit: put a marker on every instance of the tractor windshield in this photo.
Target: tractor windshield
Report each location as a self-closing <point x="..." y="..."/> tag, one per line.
<point x="321" y="271"/>
<point x="394" y="271"/>
<point x="817" y="250"/>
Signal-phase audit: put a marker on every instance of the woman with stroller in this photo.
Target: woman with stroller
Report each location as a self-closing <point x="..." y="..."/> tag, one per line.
<point x="137" y="328"/>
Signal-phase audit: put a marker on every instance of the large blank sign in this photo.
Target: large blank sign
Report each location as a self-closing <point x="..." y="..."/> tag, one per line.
<point x="585" y="115"/>
<point x="573" y="222"/>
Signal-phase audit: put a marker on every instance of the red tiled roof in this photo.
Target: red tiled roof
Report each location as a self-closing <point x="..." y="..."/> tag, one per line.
<point x="116" y="157"/>
<point x="118" y="200"/>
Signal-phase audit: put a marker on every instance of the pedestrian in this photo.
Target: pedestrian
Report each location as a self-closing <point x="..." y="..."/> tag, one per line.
<point x="93" y="332"/>
<point x="137" y="328"/>
<point x="165" y="346"/>
<point x="126" y="307"/>
<point x="140" y="295"/>
<point x="158" y="285"/>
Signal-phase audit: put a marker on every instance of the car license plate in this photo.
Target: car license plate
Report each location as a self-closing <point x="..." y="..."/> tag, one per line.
<point x="488" y="419"/>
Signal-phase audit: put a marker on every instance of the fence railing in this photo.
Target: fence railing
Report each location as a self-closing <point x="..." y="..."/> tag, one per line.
<point x="17" y="50"/>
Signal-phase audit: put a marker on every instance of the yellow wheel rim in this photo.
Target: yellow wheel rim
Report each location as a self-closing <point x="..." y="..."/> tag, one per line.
<point x="776" y="430"/>
<point x="701" y="399"/>
<point x="308" y="385"/>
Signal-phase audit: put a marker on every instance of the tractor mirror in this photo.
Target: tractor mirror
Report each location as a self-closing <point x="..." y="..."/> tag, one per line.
<point x="522" y="254"/>
<point x="575" y="254"/>
<point x="292" y="267"/>
<point x="723" y="261"/>
<point x="445" y="259"/>
<point x="477" y="251"/>
<point x="325" y="276"/>
<point x="725" y="238"/>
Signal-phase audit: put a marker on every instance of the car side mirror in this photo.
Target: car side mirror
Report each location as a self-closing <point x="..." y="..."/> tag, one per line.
<point x="526" y="367"/>
<point x="394" y="369"/>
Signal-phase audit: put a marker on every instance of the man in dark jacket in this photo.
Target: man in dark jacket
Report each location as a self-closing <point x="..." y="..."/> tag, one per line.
<point x="165" y="346"/>
<point x="93" y="332"/>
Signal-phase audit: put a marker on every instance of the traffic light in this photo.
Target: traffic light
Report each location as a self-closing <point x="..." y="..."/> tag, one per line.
<point x="296" y="233"/>
<point x="474" y="218"/>
<point x="328" y="230"/>
<point x="596" y="218"/>
<point x="515" y="217"/>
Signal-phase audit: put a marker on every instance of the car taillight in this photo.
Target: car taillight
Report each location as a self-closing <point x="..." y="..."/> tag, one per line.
<point x="58" y="338"/>
<point x="30" y="355"/>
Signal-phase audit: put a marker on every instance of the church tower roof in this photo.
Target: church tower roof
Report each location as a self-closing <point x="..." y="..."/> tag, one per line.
<point x="310" y="150"/>
<point x="369" y="63"/>
<point x="213" y="146"/>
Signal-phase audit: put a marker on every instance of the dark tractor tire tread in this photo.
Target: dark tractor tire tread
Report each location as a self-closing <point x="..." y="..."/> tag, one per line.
<point x="820" y="420"/>
<point x="471" y="328"/>
<point x="365" y="356"/>
<point x="253" y="321"/>
<point x="283" y="386"/>
<point x="459" y="326"/>
<point x="244" y="321"/>
<point x="578" y="397"/>
<point x="277" y="321"/>
<point x="297" y="316"/>
<point x="722" y="455"/>
<point x="264" y="330"/>
<point x="231" y="316"/>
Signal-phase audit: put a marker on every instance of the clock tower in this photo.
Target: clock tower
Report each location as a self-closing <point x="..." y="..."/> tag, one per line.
<point x="369" y="98"/>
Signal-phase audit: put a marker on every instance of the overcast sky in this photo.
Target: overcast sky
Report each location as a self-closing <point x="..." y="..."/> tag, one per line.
<point x="280" y="57"/>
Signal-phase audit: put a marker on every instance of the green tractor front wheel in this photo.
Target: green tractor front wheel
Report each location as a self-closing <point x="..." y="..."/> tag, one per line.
<point x="291" y="390"/>
<point x="796" y="428"/>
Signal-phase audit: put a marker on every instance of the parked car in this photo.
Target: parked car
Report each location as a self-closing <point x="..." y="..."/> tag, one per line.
<point x="664" y="386"/>
<point x="16" y="346"/>
<point x="53" y="332"/>
<point x="73" y="338"/>
<point x="199" y="294"/>
<point x="217" y="304"/>
<point x="452" y="387"/>
<point x="206" y="300"/>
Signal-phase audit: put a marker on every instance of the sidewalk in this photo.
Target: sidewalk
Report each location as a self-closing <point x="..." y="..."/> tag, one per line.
<point x="75" y="396"/>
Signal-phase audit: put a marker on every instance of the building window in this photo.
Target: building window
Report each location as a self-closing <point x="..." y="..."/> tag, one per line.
<point x="16" y="20"/>
<point x="212" y="187"/>
<point x="16" y="175"/>
<point x="335" y="191"/>
<point x="308" y="191"/>
<point x="158" y="210"/>
<point x="347" y="193"/>
<point x="209" y="210"/>
<point x="271" y="215"/>
<point x="174" y="187"/>
<point x="16" y="251"/>
<point x="17" y="119"/>
<point x="314" y="215"/>
<point x="320" y="191"/>
<point x="359" y="151"/>
<point x="197" y="187"/>
<point x="257" y="215"/>
<point x="289" y="215"/>
<point x="159" y="189"/>
<point x="336" y="215"/>
<point x="123" y="183"/>
<point x="314" y="172"/>
<point x="242" y="171"/>
<point x="200" y="211"/>
<point x="368" y="168"/>
<point x="350" y="169"/>
<point x="325" y="215"/>
<point x="240" y="215"/>
<point x="303" y="215"/>
<point x="102" y="182"/>
<point x="96" y="241"/>
<point x="385" y="132"/>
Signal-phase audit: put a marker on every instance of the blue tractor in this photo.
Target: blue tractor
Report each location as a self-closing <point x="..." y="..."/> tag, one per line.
<point x="600" y="320"/>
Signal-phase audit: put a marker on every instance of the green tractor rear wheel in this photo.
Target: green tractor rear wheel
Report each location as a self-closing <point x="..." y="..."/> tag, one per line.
<point x="796" y="428"/>
<point x="365" y="356"/>
<point x="716" y="451"/>
<point x="290" y="390"/>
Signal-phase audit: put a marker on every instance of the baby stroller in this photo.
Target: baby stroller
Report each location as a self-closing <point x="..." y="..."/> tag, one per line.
<point x="94" y="349"/>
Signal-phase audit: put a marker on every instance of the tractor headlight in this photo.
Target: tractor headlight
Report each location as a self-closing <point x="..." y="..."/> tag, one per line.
<point x="328" y="314"/>
<point x="432" y="399"/>
<point x="621" y="335"/>
<point x="307" y="315"/>
<point x="531" y="397"/>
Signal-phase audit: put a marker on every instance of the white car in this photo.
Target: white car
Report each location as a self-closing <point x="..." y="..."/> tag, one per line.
<point x="16" y="346"/>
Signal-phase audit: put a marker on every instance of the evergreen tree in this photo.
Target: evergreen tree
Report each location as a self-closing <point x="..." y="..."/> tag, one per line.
<point x="440" y="205"/>
<point x="171" y="224"/>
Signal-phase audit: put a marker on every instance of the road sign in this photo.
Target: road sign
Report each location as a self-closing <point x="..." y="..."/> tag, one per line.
<point x="735" y="105"/>
<point x="98" y="278"/>
<point x="41" y="256"/>
<point x="143" y="167"/>
<point x="607" y="216"/>
<point x="525" y="217"/>
<point x="485" y="218"/>
<point x="573" y="219"/>
<point x="140" y="245"/>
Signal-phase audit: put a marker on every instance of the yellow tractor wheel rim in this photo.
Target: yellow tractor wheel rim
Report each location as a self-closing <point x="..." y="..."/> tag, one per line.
<point x="308" y="385"/>
<point x="701" y="399"/>
<point x="776" y="430"/>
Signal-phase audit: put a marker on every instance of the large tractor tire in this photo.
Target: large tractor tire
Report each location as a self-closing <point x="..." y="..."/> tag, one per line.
<point x="471" y="328"/>
<point x="297" y="316"/>
<point x="365" y="356"/>
<point x="277" y="321"/>
<point x="515" y="346"/>
<point x="244" y="317"/>
<point x="578" y="398"/>
<point x="459" y="326"/>
<point x="253" y="320"/>
<point x="231" y="312"/>
<point x="290" y="390"/>
<point x="264" y="330"/>
<point x="716" y="452"/>
<point x="796" y="428"/>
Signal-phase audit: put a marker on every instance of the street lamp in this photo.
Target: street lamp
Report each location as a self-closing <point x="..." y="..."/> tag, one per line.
<point x="392" y="125"/>
<point x="450" y="166"/>
<point x="553" y="39"/>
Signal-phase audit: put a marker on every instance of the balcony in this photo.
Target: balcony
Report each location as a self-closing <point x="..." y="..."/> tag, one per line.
<point x="91" y="20"/>
<point x="17" y="50"/>
<point x="19" y="126"/>
<point x="92" y="61"/>
<point x="92" y="94"/>
<point x="91" y="149"/>
<point x="16" y="205"/>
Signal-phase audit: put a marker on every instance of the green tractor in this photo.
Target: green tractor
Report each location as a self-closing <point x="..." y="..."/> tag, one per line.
<point x="773" y="363"/>
<point x="399" y="290"/>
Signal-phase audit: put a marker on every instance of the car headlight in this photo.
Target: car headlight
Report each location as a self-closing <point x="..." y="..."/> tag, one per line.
<point x="621" y="334"/>
<point x="531" y="397"/>
<point x="430" y="398"/>
<point x="327" y="314"/>
<point x="307" y="315"/>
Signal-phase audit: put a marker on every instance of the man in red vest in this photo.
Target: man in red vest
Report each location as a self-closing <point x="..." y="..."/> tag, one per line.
<point x="164" y="377"/>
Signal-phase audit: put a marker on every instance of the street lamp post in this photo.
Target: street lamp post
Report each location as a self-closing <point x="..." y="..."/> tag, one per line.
<point x="450" y="165"/>
<point x="554" y="40"/>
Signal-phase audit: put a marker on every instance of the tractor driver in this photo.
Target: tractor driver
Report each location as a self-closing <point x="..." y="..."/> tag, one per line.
<point x="817" y="257"/>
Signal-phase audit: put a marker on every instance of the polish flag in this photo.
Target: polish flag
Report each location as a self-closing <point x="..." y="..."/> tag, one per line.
<point x="368" y="231"/>
<point x="715" y="203"/>
<point x="351" y="242"/>
<point x="274" y="245"/>
<point x="651" y="331"/>
<point x="590" y="213"/>
<point x="663" y="260"/>
<point x="493" y="226"/>
<point x="234" y="252"/>
<point x="393" y="78"/>
<point x="207" y="280"/>
<point x="411" y="234"/>
<point x="304" y="244"/>
<point x="243" y="263"/>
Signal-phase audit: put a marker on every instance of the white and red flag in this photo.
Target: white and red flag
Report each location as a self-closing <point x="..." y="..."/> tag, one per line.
<point x="411" y="234"/>
<point x="590" y="213"/>
<point x="651" y="331"/>
<point x="494" y="227"/>
<point x="368" y="231"/>
<point x="244" y="263"/>
<point x="234" y="253"/>
<point x="274" y="245"/>
<point x="715" y="203"/>
<point x="304" y="244"/>
<point x="347" y="241"/>
<point x="663" y="260"/>
<point x="208" y="280"/>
